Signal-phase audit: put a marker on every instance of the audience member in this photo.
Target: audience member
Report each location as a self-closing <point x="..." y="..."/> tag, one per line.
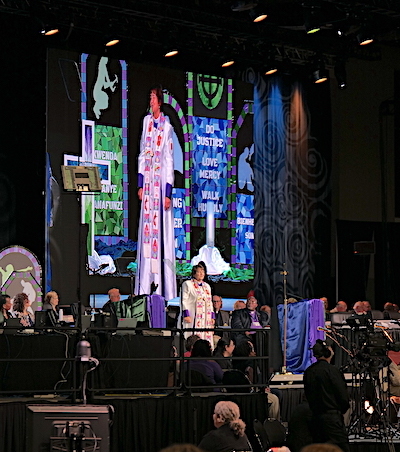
<point x="51" y="306"/>
<point x="248" y="318"/>
<point x="239" y="304"/>
<point x="230" y="430"/>
<point x="367" y="306"/>
<point x="300" y="427"/>
<point x="326" y="392"/>
<point x="341" y="306"/>
<point x="267" y="309"/>
<point x="207" y="366"/>
<point x="114" y="296"/>
<point x="222" y="319"/>
<point x="20" y="305"/>
<point x="326" y="303"/>
<point x="359" y="308"/>
<point x="189" y="342"/>
<point x="50" y="301"/>
<point x="224" y="349"/>
<point x="245" y="349"/>
<point x="5" y="307"/>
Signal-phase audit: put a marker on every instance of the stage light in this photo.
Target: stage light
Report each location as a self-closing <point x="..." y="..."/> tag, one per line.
<point x="311" y="19"/>
<point x="171" y="52"/>
<point x="319" y="73"/>
<point x="49" y="30"/>
<point x="228" y="62"/>
<point x="340" y="74"/>
<point x="111" y="40"/>
<point x="364" y="36"/>
<point x="258" y="14"/>
<point x="272" y="70"/>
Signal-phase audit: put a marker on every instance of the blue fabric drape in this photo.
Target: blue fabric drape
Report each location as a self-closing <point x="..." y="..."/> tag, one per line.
<point x="303" y="318"/>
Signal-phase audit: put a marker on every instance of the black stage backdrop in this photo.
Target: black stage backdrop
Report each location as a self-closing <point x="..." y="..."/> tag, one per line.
<point x="354" y="268"/>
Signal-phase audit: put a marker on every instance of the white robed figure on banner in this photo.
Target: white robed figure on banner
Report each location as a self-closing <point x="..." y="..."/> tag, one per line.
<point x="156" y="241"/>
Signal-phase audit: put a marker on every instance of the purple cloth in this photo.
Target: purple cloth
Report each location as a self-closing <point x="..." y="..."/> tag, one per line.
<point x="156" y="310"/>
<point x="316" y="314"/>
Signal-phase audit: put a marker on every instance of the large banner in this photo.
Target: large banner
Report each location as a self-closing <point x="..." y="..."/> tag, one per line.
<point x="209" y="174"/>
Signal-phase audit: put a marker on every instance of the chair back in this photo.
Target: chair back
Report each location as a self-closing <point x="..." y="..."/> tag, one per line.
<point x="261" y="435"/>
<point x="276" y="432"/>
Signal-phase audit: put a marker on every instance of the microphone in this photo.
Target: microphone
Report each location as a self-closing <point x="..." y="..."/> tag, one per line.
<point x="320" y="328"/>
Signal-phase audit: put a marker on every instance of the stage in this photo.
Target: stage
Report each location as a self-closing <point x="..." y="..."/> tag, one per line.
<point x="150" y="422"/>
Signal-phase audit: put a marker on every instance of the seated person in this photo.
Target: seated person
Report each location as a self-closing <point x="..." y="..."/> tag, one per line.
<point x="248" y="318"/>
<point x="224" y="349"/>
<point x="248" y="367"/>
<point x="20" y="305"/>
<point x="230" y="430"/>
<point x="50" y="305"/>
<point x="207" y="367"/>
<point x="50" y="301"/>
<point x="5" y="306"/>
<point x="239" y="304"/>
<point x="341" y="306"/>
<point x="114" y="296"/>
<point x="189" y="342"/>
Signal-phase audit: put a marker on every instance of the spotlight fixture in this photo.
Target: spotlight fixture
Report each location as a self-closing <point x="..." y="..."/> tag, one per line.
<point x="319" y="73"/>
<point x="49" y="30"/>
<point x="257" y="14"/>
<point x="364" y="36"/>
<point x="111" y="40"/>
<point x="340" y="74"/>
<point x="171" y="52"/>
<point x="228" y="62"/>
<point x="271" y="69"/>
<point x="311" y="19"/>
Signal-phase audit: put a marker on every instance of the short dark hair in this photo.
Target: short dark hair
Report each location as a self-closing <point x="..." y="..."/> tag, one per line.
<point x="19" y="302"/>
<point x="3" y="299"/>
<point x="195" y="267"/>
<point x="190" y="341"/>
<point x="321" y="350"/>
<point x="157" y="89"/>
<point x="201" y="349"/>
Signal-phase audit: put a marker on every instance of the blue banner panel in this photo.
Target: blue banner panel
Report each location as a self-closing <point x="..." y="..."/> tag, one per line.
<point x="210" y="166"/>
<point x="245" y="229"/>
<point x="178" y="200"/>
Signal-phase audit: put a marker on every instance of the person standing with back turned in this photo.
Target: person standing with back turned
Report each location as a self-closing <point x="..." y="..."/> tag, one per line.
<point x="326" y="392"/>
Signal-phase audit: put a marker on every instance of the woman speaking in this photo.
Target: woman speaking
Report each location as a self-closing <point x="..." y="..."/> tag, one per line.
<point x="197" y="307"/>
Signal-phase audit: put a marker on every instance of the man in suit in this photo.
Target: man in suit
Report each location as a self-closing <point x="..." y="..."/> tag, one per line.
<point x="222" y="319"/>
<point x="249" y="318"/>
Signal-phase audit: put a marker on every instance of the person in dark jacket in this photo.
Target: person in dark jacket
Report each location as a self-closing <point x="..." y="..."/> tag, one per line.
<point x="327" y="395"/>
<point x="230" y="430"/>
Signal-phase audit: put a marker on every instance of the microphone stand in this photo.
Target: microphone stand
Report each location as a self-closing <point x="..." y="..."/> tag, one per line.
<point x="285" y="303"/>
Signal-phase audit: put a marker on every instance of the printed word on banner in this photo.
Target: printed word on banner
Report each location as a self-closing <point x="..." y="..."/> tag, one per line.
<point x="209" y="166"/>
<point x="245" y="229"/>
<point x="178" y="200"/>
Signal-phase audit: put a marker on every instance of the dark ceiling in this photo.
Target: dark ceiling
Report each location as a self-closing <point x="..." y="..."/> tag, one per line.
<point x="205" y="30"/>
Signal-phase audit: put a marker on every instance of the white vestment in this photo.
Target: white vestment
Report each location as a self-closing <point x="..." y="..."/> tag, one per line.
<point x="161" y="271"/>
